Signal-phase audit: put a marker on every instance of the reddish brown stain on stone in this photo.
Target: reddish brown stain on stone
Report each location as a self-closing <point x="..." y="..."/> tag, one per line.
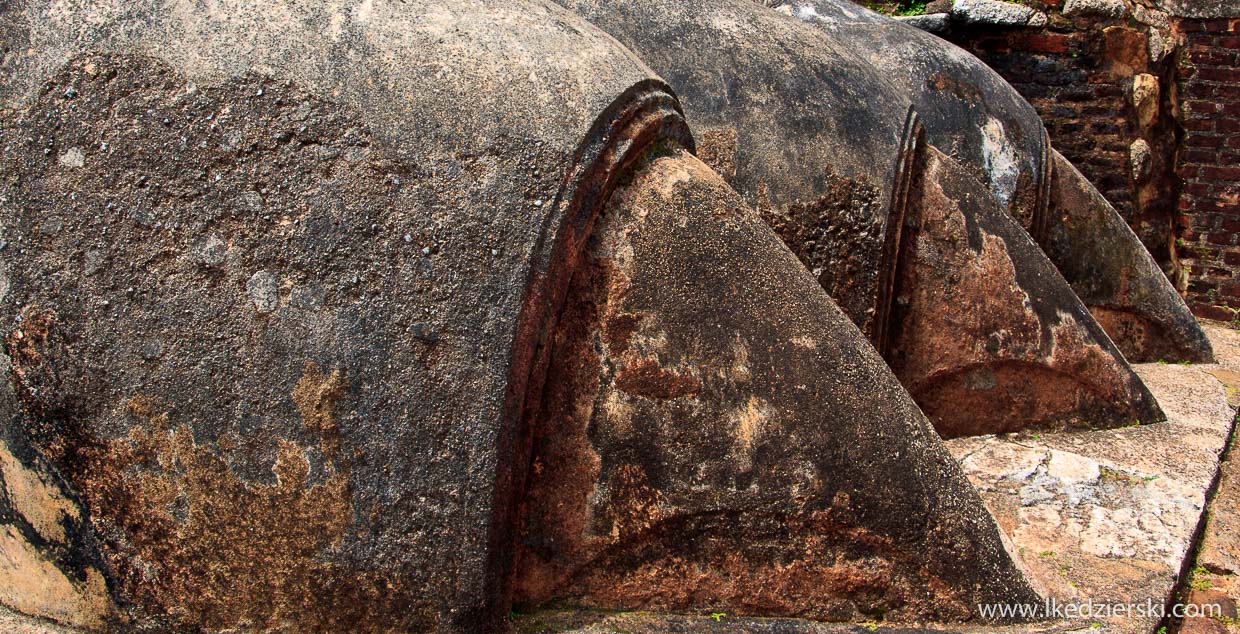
<point x="647" y="379"/>
<point x="193" y="544"/>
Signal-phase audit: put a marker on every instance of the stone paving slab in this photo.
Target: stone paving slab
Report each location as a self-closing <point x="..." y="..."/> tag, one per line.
<point x="1110" y="516"/>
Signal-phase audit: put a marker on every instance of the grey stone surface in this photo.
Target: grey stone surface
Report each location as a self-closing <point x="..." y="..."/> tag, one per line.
<point x="929" y="22"/>
<point x="264" y="291"/>
<point x="996" y="13"/>
<point x="213" y="251"/>
<point x="1100" y="8"/>
<point x="1139" y="157"/>
<point x="1202" y="9"/>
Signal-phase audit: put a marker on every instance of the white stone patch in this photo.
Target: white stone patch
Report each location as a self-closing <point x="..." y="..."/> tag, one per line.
<point x="999" y="158"/>
<point x="809" y="13"/>
<point x="72" y="157"/>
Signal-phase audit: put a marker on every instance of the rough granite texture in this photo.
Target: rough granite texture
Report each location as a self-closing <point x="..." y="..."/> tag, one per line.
<point x="271" y="315"/>
<point x="729" y="444"/>
<point x="800" y="150"/>
<point x="996" y="13"/>
<point x="972" y="114"/>
<point x="1107" y="515"/>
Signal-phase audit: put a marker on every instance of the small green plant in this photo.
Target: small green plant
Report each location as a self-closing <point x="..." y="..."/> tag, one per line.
<point x="1198" y="579"/>
<point x="873" y="627"/>
<point x="1162" y="630"/>
<point x="1095" y="626"/>
<point x="897" y="7"/>
<point x="718" y="616"/>
<point x="911" y="8"/>
<point x="1047" y="553"/>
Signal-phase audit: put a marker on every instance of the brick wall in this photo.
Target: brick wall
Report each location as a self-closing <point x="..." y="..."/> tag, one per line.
<point x="1208" y="244"/>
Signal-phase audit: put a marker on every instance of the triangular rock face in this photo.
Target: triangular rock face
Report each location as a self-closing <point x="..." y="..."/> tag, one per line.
<point x="834" y="181"/>
<point x="976" y="117"/>
<point x="1033" y="355"/>
<point x="717" y="435"/>
<point x="1115" y="276"/>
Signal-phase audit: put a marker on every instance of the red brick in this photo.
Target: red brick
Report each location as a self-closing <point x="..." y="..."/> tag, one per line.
<point x="1227" y="125"/>
<point x="1216" y="26"/>
<point x="1201" y="106"/>
<point x="1232" y="42"/>
<point x="1209" y="73"/>
<point x="1220" y="173"/>
<point x="1204" y="124"/>
<point x="1226" y="92"/>
<point x="1190" y="26"/>
<point x="1225" y="239"/>
<point x="1052" y="43"/>
<point x="1231" y="258"/>
<point x="1211" y="58"/>
<point x="1232" y="226"/>
<point x="1207" y="311"/>
<point x="1201" y="140"/>
<point x="1199" y="189"/>
<point x="1197" y="155"/>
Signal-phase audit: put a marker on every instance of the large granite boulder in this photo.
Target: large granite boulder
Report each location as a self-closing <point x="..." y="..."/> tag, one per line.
<point x="715" y="438"/>
<point x="975" y="116"/>
<point x="815" y="137"/>
<point x="276" y="280"/>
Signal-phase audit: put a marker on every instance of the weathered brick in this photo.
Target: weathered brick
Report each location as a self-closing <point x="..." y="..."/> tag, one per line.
<point x="1050" y="43"/>
<point x="1197" y="155"/>
<point x="1202" y="140"/>
<point x="1207" y="311"/>
<point x="1214" y="73"/>
<point x="1198" y="189"/>
<point x="1203" y="124"/>
<point x="1212" y="57"/>
<point x="1230" y="174"/>
<point x="1216" y="26"/>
